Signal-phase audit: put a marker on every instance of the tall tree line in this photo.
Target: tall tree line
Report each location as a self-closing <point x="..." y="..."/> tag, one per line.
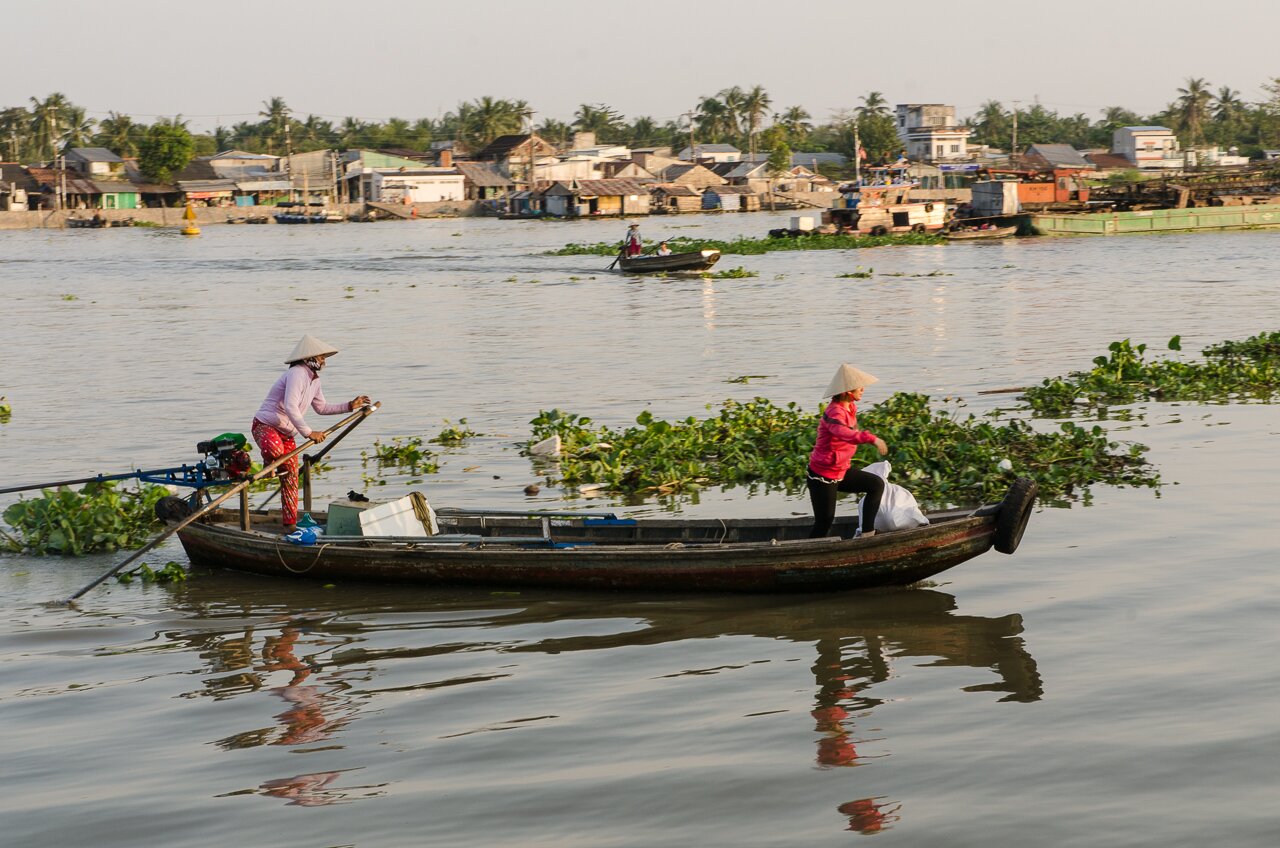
<point x="745" y="116"/>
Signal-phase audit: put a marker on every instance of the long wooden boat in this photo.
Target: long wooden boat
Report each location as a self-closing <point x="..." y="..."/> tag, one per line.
<point x="568" y="550"/>
<point x="698" y="260"/>
<point x="991" y="233"/>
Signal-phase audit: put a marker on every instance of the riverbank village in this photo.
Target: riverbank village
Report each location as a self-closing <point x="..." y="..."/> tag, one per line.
<point x="936" y="178"/>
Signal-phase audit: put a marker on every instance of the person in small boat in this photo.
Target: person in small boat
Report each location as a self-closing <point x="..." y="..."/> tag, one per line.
<point x="281" y="416"/>
<point x="664" y="250"/>
<point x="631" y="245"/>
<point x="837" y="442"/>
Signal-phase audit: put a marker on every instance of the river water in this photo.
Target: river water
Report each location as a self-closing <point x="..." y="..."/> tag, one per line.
<point x="1113" y="683"/>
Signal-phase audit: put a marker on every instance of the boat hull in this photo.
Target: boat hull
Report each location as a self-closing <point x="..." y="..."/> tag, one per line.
<point x="696" y="261"/>
<point x="1156" y="220"/>
<point x="972" y="235"/>
<point x="770" y="557"/>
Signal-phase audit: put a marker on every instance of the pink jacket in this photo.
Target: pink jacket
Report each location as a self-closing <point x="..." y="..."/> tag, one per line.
<point x="297" y="388"/>
<point x="838" y="440"/>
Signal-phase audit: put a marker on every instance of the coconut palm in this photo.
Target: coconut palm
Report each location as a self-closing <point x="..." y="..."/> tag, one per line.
<point x="487" y="118"/>
<point x="598" y="119"/>
<point x="795" y="121"/>
<point x="48" y="124"/>
<point x="734" y="100"/>
<point x="1227" y="105"/>
<point x="79" y="128"/>
<point x="15" y="125"/>
<point x="277" y="125"/>
<point x="119" y="134"/>
<point x="1193" y="107"/>
<point x="713" y="120"/>
<point x="755" y="105"/>
<point x="556" y="132"/>
<point x="873" y="105"/>
<point x="992" y="124"/>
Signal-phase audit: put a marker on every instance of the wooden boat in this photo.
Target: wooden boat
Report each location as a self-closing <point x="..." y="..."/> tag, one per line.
<point x="991" y="233"/>
<point x="699" y="260"/>
<point x="602" y="551"/>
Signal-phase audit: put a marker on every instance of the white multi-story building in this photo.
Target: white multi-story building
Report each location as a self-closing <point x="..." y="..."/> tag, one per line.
<point x="929" y="132"/>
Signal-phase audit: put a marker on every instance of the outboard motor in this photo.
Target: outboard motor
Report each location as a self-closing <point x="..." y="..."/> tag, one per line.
<point x="226" y="457"/>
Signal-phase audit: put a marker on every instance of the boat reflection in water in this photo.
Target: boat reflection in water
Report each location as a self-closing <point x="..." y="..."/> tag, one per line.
<point x="342" y="643"/>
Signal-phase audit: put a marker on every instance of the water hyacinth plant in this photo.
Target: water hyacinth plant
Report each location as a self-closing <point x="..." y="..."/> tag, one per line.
<point x="98" y="518"/>
<point x="944" y="456"/>
<point x="451" y="435"/>
<point x="5" y="410"/>
<point x="754" y="246"/>
<point x="1232" y="370"/>
<point x="407" y="453"/>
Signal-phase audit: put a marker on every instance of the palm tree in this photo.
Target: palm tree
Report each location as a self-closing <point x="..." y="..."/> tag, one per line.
<point x="487" y="118"/>
<point x="598" y="119"/>
<point x="119" y="134"/>
<point x="79" y="129"/>
<point x="1227" y="105"/>
<point x="556" y="132"/>
<point x="47" y="124"/>
<point x="712" y="120"/>
<point x="873" y="105"/>
<point x="755" y="104"/>
<point x="277" y="125"/>
<point x="795" y="121"/>
<point x="643" y="132"/>
<point x="15" y="123"/>
<point x="734" y="100"/>
<point x="1193" y="106"/>
<point x="992" y="124"/>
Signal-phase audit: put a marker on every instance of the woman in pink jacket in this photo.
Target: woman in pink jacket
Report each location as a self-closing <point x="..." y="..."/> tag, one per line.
<point x="838" y="440"/>
<point x="281" y="415"/>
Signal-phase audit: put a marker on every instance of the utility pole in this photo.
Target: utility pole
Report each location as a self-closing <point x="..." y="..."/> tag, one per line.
<point x="857" y="155"/>
<point x="1013" y="153"/>
<point x="693" y="144"/>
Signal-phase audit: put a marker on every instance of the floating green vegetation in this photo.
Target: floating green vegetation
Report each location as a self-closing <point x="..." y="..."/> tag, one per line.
<point x="858" y="274"/>
<point x="98" y="518"/>
<point x="1232" y="370"/>
<point x="170" y="572"/>
<point x="407" y="453"/>
<point x="69" y="297"/>
<point x="942" y="456"/>
<point x="752" y="246"/>
<point x="6" y="411"/>
<point x="451" y="435"/>
<point x="746" y="378"/>
<point x="930" y="274"/>
<point x="732" y="274"/>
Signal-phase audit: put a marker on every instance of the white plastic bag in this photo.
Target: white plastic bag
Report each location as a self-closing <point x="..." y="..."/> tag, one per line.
<point x="898" y="507"/>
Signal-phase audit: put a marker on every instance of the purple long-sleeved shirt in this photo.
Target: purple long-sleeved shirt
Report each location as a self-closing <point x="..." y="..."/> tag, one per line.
<point x="297" y="388"/>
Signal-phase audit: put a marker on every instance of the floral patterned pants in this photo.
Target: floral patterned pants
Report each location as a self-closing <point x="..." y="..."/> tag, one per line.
<point x="274" y="445"/>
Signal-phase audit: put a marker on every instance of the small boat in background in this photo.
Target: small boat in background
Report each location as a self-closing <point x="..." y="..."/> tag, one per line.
<point x="699" y="260"/>
<point x="964" y="233"/>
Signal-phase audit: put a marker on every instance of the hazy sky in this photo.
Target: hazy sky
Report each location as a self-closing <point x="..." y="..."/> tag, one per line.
<point x="216" y="62"/>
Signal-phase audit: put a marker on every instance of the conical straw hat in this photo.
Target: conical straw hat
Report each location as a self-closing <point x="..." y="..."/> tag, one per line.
<point x="847" y="379"/>
<point x="309" y="346"/>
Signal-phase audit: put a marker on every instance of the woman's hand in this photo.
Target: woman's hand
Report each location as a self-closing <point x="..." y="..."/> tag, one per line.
<point x="361" y="400"/>
<point x="881" y="446"/>
<point x="317" y="436"/>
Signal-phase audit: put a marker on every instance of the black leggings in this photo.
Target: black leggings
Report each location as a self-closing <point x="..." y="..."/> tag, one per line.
<point x="823" y="497"/>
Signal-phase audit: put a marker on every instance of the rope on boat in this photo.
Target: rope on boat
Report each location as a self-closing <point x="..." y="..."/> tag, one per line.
<point x="291" y="570"/>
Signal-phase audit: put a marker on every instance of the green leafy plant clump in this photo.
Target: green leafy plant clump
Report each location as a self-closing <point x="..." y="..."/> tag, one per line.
<point x="6" y="411"/>
<point x="170" y="572"/>
<point x="98" y="518"/>
<point x="732" y="274"/>
<point x="943" y="457"/>
<point x="451" y="435"/>
<point x="408" y="453"/>
<point x="1231" y="370"/>
<point x="755" y="246"/>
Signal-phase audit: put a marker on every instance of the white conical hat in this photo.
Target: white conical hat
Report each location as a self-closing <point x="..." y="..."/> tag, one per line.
<point x="309" y="346"/>
<point x="847" y="379"/>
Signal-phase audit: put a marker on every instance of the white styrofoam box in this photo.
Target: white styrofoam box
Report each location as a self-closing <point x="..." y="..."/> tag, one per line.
<point x="396" y="518"/>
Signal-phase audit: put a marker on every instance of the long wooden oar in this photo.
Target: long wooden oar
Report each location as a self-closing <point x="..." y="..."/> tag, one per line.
<point x="363" y="413"/>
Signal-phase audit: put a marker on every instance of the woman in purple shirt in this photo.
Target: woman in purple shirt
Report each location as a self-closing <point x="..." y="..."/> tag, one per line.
<point x="837" y="442"/>
<point x="281" y="415"/>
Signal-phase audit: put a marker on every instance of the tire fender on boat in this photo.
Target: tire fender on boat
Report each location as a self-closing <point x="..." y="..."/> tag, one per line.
<point x="172" y="509"/>
<point x="1015" y="512"/>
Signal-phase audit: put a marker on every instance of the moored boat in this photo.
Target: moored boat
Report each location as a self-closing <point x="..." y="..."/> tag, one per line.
<point x="699" y="260"/>
<point x="963" y="233"/>
<point x="602" y="551"/>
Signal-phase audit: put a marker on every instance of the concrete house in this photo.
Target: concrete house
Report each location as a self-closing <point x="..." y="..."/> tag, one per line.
<point x="511" y="154"/>
<point x="712" y="152"/>
<point x="929" y="132"/>
<point x="96" y="163"/>
<point x="18" y="191"/>
<point x="1148" y="147"/>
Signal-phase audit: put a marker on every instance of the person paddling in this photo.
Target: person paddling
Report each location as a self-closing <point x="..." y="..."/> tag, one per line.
<point x="631" y="245"/>
<point x="281" y="415"/>
<point x="837" y="442"/>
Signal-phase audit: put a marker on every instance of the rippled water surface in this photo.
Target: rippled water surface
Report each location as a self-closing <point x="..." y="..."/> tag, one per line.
<point x="1113" y="683"/>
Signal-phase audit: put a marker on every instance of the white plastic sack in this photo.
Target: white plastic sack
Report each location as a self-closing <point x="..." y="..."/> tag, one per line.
<point x="898" y="507"/>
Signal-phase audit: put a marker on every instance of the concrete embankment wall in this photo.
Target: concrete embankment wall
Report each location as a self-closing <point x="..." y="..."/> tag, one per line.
<point x="206" y="215"/>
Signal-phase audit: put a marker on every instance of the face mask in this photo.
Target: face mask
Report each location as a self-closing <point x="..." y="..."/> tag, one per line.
<point x="314" y="364"/>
